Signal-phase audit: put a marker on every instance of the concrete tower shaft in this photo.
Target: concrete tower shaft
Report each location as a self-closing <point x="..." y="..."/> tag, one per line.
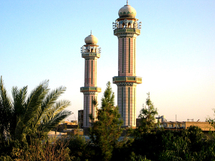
<point x="126" y="64"/>
<point x="127" y="28"/>
<point x="90" y="76"/>
<point x="90" y="52"/>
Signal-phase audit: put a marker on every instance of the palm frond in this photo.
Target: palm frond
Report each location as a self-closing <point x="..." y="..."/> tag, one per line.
<point x="34" y="102"/>
<point x="52" y="97"/>
<point x="37" y="114"/>
<point x="6" y="111"/>
<point x="60" y="106"/>
<point x="48" y="102"/>
<point x="54" y="121"/>
<point x="57" y="108"/>
<point x="19" y="98"/>
<point x="5" y="100"/>
<point x="19" y="129"/>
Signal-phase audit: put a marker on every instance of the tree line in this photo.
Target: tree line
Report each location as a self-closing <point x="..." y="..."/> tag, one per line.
<point x="26" y="120"/>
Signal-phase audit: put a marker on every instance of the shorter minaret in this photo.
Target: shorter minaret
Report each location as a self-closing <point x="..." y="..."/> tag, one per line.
<point x="90" y="52"/>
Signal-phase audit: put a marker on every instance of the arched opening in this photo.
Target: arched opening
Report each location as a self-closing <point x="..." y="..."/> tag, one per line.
<point x="129" y="25"/>
<point x="132" y="25"/>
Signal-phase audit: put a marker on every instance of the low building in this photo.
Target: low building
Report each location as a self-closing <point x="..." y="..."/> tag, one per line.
<point x="66" y="125"/>
<point x="73" y="122"/>
<point x="179" y="125"/>
<point x="172" y="125"/>
<point x="75" y="132"/>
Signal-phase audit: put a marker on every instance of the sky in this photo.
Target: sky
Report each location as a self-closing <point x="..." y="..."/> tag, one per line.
<point x="41" y="40"/>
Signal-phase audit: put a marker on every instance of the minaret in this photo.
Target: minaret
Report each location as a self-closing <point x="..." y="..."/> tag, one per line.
<point x="90" y="52"/>
<point x="127" y="28"/>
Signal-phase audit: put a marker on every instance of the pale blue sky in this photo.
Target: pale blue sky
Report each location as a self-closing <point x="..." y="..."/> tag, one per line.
<point x="41" y="39"/>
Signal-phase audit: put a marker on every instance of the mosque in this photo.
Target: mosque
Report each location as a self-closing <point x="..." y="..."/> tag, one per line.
<point x="126" y="28"/>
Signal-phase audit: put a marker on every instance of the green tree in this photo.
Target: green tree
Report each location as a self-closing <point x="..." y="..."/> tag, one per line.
<point x="211" y="120"/>
<point x="31" y="116"/>
<point x="147" y="117"/>
<point x="106" y="127"/>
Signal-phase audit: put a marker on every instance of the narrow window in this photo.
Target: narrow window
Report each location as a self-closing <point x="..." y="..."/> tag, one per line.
<point x="87" y="72"/>
<point x="129" y="56"/>
<point x="129" y="25"/>
<point x="87" y="110"/>
<point x="134" y="55"/>
<point x="122" y="55"/>
<point x="129" y="106"/>
<point x="122" y="103"/>
<point x="134" y="103"/>
<point x="92" y="106"/>
<point x="92" y="72"/>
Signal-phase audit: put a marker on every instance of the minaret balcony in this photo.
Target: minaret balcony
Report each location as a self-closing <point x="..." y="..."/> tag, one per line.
<point x="90" y="89"/>
<point x="90" y="54"/>
<point x="129" y="79"/>
<point x="119" y="31"/>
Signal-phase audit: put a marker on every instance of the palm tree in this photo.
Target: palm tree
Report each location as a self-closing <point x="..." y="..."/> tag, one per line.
<point x="34" y="115"/>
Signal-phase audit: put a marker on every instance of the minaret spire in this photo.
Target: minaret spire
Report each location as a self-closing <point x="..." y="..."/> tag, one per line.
<point x="90" y="52"/>
<point x="127" y="28"/>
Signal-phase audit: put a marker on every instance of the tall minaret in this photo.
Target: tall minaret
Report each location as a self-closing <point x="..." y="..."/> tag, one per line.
<point x="90" y="52"/>
<point x="127" y="28"/>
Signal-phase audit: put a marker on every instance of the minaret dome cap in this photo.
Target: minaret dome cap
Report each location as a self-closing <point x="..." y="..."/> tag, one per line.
<point x="127" y="11"/>
<point x="91" y="39"/>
